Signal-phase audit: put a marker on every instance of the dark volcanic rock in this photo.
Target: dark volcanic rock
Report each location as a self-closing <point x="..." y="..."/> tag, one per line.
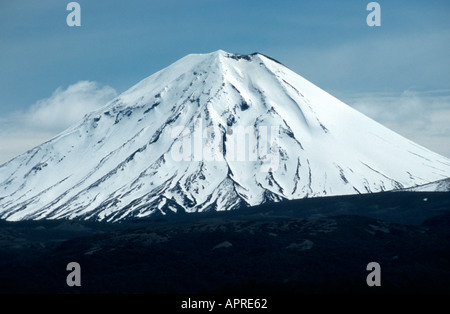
<point x="269" y="249"/>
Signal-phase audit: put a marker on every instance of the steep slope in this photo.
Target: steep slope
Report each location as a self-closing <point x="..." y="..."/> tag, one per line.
<point x="211" y="132"/>
<point x="437" y="186"/>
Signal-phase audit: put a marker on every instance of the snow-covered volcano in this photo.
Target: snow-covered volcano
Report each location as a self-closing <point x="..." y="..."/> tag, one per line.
<point x="211" y="132"/>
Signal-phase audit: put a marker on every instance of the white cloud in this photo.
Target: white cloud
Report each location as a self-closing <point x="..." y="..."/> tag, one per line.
<point x="422" y="117"/>
<point x="47" y="117"/>
<point x="66" y="106"/>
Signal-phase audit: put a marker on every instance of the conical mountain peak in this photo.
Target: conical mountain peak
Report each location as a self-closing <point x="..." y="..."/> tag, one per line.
<point x="213" y="131"/>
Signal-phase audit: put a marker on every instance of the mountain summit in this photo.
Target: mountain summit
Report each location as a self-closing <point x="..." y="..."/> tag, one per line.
<point x="212" y="131"/>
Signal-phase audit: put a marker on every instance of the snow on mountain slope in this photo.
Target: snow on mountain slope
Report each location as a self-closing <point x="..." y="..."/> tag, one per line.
<point x="211" y="132"/>
<point x="436" y="186"/>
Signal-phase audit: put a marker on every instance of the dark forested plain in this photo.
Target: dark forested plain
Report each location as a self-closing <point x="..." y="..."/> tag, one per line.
<point x="313" y="246"/>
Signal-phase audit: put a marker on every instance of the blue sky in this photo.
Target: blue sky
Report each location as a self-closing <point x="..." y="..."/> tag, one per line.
<point x="51" y="74"/>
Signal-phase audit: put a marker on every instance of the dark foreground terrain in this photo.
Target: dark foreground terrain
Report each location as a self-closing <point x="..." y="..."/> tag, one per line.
<point x="305" y="246"/>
